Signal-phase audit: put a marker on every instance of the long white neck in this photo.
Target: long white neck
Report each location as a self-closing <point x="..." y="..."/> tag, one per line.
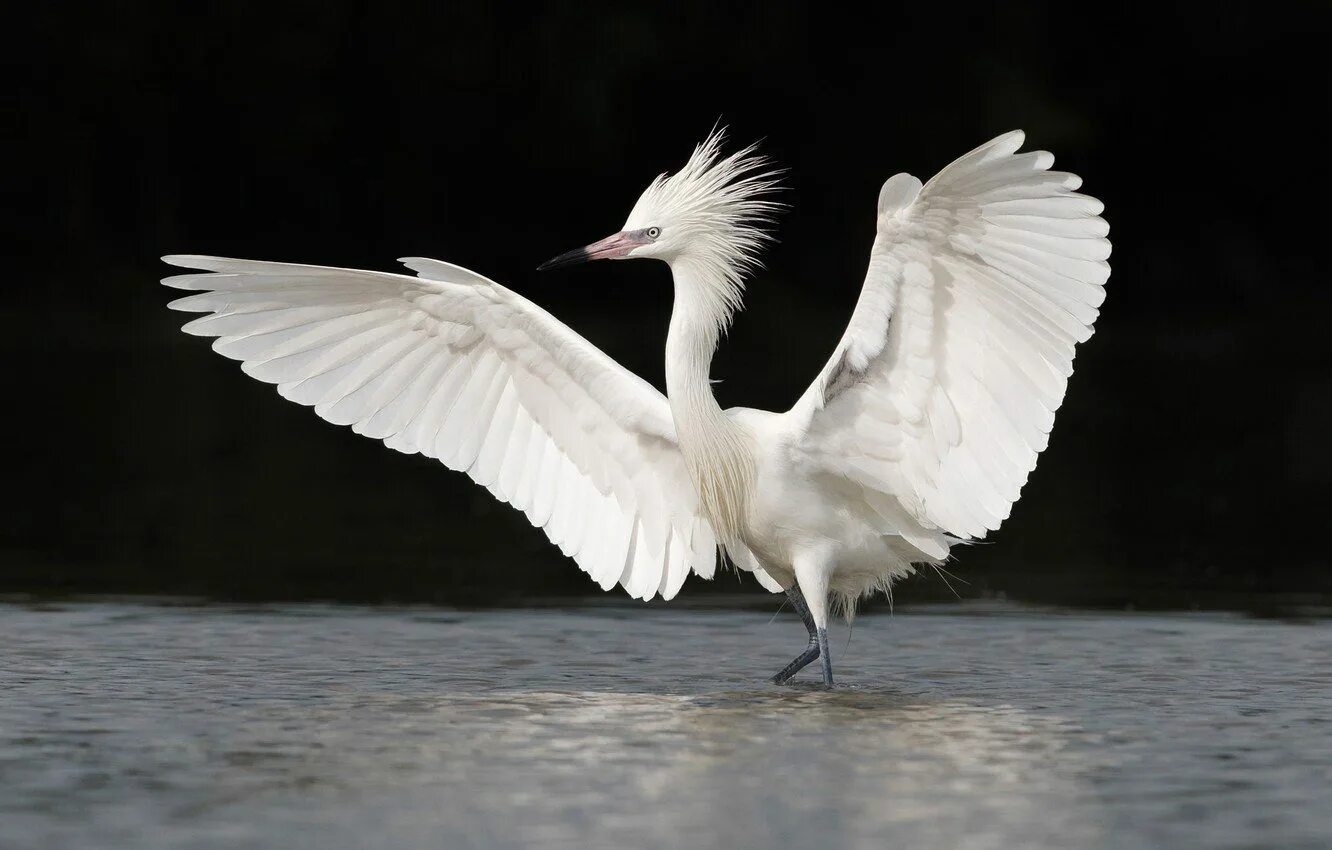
<point x="718" y="452"/>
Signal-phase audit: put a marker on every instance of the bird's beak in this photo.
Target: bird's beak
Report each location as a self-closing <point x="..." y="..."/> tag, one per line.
<point x="614" y="247"/>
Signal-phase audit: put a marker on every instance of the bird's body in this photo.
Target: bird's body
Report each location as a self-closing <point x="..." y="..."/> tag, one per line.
<point x="917" y="434"/>
<point x="791" y="513"/>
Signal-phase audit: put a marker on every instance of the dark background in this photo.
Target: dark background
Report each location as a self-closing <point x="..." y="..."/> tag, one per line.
<point x="1190" y="464"/>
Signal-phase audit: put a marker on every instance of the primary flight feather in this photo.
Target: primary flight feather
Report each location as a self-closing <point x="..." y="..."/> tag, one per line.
<point x="918" y="433"/>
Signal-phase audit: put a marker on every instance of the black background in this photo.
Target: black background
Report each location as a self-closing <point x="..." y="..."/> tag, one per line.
<point x="1190" y="464"/>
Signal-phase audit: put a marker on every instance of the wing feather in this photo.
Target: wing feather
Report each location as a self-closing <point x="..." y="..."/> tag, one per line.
<point x="943" y="391"/>
<point x="454" y="366"/>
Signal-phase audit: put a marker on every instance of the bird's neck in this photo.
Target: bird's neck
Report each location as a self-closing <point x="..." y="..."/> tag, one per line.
<point x="718" y="452"/>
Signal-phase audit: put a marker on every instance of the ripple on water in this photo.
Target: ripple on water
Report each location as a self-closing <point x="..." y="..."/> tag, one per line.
<point x="324" y="726"/>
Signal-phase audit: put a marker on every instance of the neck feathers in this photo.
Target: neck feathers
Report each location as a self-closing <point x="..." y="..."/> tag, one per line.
<point x="718" y="453"/>
<point x="711" y="213"/>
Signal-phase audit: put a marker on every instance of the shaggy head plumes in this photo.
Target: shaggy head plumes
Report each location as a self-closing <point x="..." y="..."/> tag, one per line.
<point x="711" y="215"/>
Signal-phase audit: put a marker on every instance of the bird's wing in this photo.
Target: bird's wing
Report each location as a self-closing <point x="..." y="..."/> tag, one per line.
<point x="456" y="367"/>
<point x="943" y="390"/>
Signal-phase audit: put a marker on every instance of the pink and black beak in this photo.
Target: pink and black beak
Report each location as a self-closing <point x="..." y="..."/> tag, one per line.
<point x="614" y="247"/>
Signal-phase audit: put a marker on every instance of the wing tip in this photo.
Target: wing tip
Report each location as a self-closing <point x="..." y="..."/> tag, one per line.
<point x="191" y="261"/>
<point x="1010" y="141"/>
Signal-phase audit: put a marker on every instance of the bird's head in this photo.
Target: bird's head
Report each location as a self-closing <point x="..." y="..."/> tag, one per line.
<point x="711" y="213"/>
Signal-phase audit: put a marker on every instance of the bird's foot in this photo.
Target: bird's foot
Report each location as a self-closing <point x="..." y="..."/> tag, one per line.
<point x="798" y="663"/>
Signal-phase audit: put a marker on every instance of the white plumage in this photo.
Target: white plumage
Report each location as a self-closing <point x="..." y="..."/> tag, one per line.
<point x="458" y="368"/>
<point x="918" y="433"/>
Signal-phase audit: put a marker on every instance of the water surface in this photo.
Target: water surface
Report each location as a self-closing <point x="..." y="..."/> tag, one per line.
<point x="147" y="726"/>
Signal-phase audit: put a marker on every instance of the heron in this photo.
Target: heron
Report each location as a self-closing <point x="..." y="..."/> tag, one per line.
<point x="915" y="437"/>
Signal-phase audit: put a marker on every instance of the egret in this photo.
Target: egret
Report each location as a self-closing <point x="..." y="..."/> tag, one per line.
<point x="917" y="435"/>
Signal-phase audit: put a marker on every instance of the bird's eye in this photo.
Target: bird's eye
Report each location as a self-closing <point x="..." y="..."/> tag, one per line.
<point x="653" y="232"/>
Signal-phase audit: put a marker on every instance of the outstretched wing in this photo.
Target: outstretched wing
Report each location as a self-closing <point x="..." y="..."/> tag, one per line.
<point x="943" y="390"/>
<point x="459" y="368"/>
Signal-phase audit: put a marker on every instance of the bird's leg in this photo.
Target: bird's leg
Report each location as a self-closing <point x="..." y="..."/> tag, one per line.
<point x="812" y="651"/>
<point x="812" y="569"/>
<point x="802" y="608"/>
<point x="827" y="658"/>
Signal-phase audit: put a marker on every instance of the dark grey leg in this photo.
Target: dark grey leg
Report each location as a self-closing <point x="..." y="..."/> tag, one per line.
<point x="812" y="651"/>
<point x="802" y="608"/>
<point x="827" y="658"/>
<point x="797" y="664"/>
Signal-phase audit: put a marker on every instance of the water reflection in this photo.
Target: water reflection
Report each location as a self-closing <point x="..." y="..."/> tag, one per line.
<point x="733" y="768"/>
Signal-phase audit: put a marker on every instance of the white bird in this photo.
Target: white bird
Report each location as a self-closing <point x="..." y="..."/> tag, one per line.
<point x="917" y="435"/>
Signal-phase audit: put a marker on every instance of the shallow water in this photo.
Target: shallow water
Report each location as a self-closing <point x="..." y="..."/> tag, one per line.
<point x="145" y="726"/>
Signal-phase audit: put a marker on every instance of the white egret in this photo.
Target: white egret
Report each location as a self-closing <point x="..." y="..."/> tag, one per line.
<point x="917" y="435"/>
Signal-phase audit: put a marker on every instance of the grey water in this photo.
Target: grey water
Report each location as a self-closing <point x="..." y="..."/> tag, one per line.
<point x="213" y="726"/>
